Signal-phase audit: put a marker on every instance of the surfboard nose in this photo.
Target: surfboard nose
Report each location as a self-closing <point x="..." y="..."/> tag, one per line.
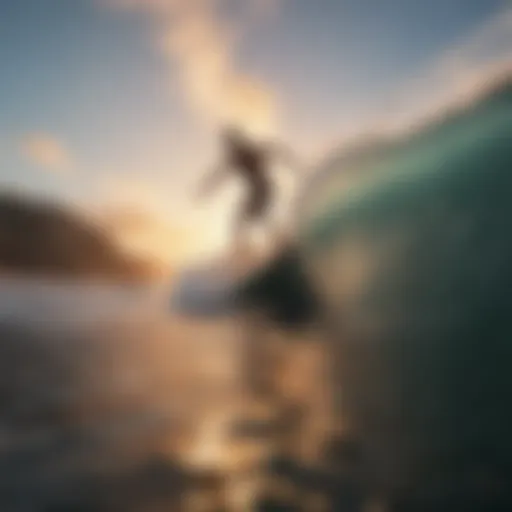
<point x="204" y="293"/>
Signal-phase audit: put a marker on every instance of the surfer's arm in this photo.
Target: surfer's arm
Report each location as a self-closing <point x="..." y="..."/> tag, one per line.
<point x="286" y="156"/>
<point x="212" y="179"/>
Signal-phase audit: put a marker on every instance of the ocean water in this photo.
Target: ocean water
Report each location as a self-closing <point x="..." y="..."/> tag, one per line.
<point x="108" y="396"/>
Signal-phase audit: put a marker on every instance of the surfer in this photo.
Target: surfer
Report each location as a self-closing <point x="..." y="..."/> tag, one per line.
<point x="252" y="162"/>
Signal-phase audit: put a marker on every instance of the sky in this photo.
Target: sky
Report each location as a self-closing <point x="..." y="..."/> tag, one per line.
<point x="113" y="105"/>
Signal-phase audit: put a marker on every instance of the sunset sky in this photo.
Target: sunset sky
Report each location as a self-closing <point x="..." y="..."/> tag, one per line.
<point x="113" y="104"/>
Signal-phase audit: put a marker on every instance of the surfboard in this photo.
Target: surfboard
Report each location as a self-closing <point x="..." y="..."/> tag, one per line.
<point x="215" y="287"/>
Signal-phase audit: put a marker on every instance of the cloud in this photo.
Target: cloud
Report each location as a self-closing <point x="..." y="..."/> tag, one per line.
<point x="200" y="42"/>
<point x="47" y="152"/>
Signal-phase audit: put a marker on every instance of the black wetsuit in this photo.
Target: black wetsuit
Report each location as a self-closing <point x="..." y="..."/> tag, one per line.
<point x="251" y="162"/>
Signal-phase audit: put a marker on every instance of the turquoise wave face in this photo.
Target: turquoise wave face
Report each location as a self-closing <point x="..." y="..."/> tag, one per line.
<point x="403" y="177"/>
<point x="417" y="263"/>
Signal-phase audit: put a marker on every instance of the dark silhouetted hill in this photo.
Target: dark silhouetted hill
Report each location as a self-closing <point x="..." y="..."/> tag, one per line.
<point x="38" y="238"/>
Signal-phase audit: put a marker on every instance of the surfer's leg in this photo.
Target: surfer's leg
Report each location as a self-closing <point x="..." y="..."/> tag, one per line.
<point x="241" y="238"/>
<point x="262" y="212"/>
<point x="246" y="218"/>
<point x="274" y="232"/>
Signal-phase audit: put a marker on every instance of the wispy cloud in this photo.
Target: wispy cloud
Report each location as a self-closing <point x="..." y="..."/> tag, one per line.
<point x="47" y="152"/>
<point x="200" y="43"/>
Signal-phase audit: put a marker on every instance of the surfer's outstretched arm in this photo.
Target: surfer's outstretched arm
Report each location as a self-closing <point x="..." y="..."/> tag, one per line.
<point x="212" y="179"/>
<point x="285" y="155"/>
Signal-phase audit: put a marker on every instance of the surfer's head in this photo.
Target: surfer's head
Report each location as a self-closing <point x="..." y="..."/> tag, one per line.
<point x="233" y="136"/>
